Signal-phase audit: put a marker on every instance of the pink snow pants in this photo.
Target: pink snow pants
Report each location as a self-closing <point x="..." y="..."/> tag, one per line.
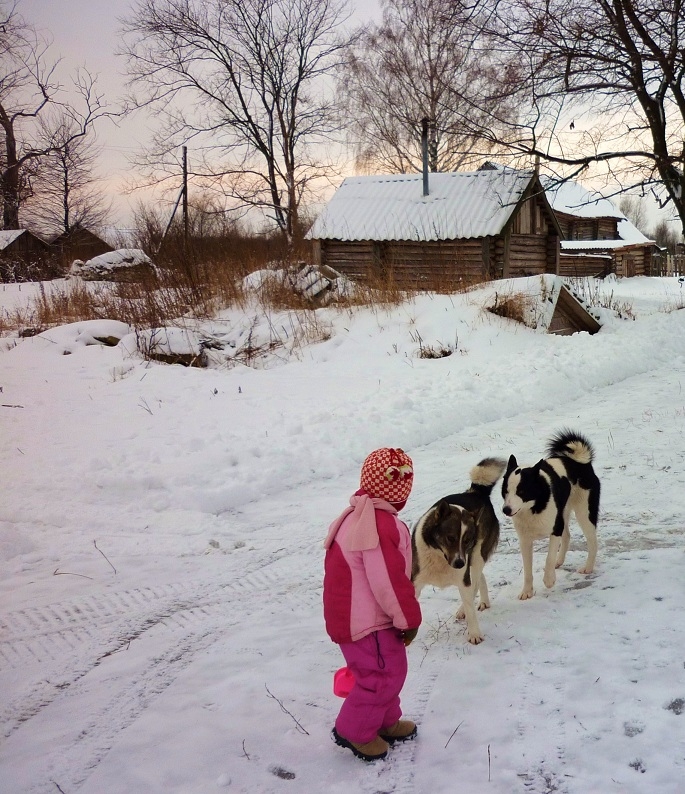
<point x="379" y="664"/>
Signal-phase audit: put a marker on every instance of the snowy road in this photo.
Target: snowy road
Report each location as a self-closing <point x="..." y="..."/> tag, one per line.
<point x="150" y="645"/>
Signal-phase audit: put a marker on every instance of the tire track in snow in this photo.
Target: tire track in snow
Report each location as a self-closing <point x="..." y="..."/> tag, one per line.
<point x="62" y="643"/>
<point x="544" y="689"/>
<point x="160" y="644"/>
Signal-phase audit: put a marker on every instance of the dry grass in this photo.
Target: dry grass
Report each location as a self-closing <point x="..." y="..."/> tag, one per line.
<point x="515" y="306"/>
<point x="197" y="284"/>
<point x="179" y="292"/>
<point x="591" y="292"/>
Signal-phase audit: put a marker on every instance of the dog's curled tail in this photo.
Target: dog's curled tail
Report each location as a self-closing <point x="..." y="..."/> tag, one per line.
<point x="569" y="444"/>
<point x="485" y="474"/>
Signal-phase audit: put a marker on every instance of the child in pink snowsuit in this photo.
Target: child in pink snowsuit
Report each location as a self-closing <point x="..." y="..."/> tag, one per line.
<point x="370" y="606"/>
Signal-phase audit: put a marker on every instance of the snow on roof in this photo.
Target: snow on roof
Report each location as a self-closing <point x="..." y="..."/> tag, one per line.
<point x="572" y="198"/>
<point x="628" y="235"/>
<point x="392" y="207"/>
<point x="591" y="245"/>
<point x="9" y="236"/>
<point x="631" y="234"/>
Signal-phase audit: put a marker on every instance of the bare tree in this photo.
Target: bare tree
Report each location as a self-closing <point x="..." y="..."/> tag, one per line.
<point x="423" y="60"/>
<point x="666" y="236"/>
<point x="244" y="82"/>
<point x="635" y="210"/>
<point x="66" y="192"/>
<point x="603" y="82"/>
<point x="29" y="92"/>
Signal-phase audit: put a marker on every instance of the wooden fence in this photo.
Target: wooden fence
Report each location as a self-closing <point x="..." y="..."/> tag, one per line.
<point x="669" y="265"/>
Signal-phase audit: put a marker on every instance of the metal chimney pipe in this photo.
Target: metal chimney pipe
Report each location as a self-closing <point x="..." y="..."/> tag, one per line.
<point x="424" y="153"/>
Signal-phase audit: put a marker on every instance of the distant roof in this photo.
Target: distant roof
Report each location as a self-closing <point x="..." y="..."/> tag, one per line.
<point x="631" y="234"/>
<point x="574" y="199"/>
<point x="460" y="205"/>
<point x="74" y="233"/>
<point x="8" y="236"/>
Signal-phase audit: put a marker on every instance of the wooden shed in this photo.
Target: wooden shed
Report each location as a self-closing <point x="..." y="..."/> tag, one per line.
<point x="598" y="238"/>
<point x="79" y="243"/>
<point x="469" y="226"/>
<point x="22" y="244"/>
<point x="24" y="256"/>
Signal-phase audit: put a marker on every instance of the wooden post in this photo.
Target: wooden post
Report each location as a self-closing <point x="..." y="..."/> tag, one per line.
<point x="505" y="254"/>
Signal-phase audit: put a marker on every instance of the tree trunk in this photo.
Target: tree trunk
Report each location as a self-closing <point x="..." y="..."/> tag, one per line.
<point x="9" y="179"/>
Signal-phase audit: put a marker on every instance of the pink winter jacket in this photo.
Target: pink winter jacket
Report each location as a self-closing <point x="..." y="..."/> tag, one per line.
<point x="367" y="572"/>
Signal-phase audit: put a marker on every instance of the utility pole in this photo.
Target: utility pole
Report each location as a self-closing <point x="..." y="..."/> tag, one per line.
<point x="185" y="199"/>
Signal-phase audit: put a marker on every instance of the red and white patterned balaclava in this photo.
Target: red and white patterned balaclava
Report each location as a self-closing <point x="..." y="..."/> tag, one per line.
<point x="388" y="474"/>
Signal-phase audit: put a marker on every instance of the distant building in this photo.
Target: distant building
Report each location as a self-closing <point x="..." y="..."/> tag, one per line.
<point x="79" y="243"/>
<point x="22" y="244"/>
<point x="598" y="238"/>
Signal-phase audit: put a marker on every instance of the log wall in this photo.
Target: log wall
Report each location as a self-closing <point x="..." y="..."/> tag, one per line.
<point x="585" y="265"/>
<point x="527" y="255"/>
<point x="411" y="265"/>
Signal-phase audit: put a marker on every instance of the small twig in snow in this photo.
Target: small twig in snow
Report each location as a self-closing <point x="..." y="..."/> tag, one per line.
<point x="59" y="788"/>
<point x="488" y="763"/>
<point x="245" y="751"/>
<point x="453" y="732"/>
<point x="104" y="555"/>
<point x="285" y="710"/>
<point x="118" y="650"/>
<point x="68" y="573"/>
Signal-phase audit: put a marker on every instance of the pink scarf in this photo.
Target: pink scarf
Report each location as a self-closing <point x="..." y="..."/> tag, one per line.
<point x="363" y="532"/>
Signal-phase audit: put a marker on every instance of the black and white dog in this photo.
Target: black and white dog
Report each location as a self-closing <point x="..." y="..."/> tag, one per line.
<point x="454" y="539"/>
<point x="539" y="499"/>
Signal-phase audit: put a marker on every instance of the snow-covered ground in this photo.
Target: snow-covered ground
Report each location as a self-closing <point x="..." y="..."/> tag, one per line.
<point x="161" y="556"/>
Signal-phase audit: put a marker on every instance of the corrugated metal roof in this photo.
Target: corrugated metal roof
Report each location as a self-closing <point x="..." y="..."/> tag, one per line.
<point x="459" y="206"/>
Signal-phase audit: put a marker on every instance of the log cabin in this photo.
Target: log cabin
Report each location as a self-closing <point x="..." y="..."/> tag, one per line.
<point x="439" y="230"/>
<point x="598" y="239"/>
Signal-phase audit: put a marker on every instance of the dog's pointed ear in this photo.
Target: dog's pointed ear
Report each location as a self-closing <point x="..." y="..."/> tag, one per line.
<point x="512" y="464"/>
<point x="442" y="509"/>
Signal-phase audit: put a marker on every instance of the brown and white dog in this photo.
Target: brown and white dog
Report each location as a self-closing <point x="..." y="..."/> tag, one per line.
<point x="540" y="498"/>
<point x="454" y="539"/>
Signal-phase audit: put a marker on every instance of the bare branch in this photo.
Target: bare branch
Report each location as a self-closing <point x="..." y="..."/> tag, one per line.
<point x="243" y="84"/>
<point x="600" y="84"/>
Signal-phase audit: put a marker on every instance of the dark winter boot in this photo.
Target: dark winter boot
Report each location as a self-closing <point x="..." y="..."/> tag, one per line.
<point x="401" y="731"/>
<point x="371" y="751"/>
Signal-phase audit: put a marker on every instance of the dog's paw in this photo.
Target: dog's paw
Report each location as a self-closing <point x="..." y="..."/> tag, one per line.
<point x="526" y="593"/>
<point x="476" y="639"/>
<point x="549" y="579"/>
<point x="483" y="605"/>
<point x="461" y="614"/>
<point x="586" y="569"/>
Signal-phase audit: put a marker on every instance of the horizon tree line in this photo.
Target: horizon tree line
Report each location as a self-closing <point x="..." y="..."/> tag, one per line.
<point x="272" y="95"/>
